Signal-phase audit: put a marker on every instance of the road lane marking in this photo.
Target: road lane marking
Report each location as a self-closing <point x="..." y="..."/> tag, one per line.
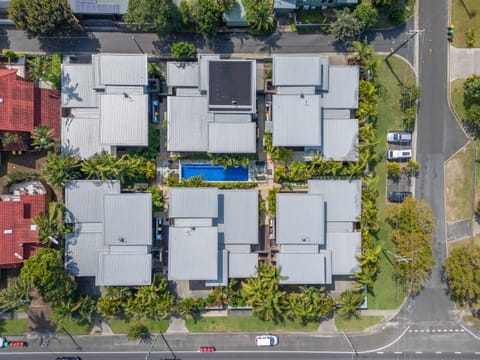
<point x="471" y="333"/>
<point x="458" y="352"/>
<point x="438" y="352"/>
<point x="380" y="352"/>
<point x="419" y="352"/>
<point x="398" y="352"/>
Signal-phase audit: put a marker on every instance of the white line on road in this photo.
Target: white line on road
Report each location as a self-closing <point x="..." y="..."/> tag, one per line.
<point x="380" y="352"/>
<point x="398" y="352"/>
<point x="438" y="352"/>
<point x="458" y="352"/>
<point x="419" y="352"/>
<point x="471" y="333"/>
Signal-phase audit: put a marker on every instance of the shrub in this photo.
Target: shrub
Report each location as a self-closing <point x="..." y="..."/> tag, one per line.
<point x="409" y="116"/>
<point x="473" y="116"/>
<point x="183" y="49"/>
<point x="21" y="176"/>
<point x="412" y="168"/>
<point x="137" y="331"/>
<point x="470" y="37"/>
<point x="472" y="88"/>
<point x="366" y="14"/>
<point x="393" y="169"/>
<point x="409" y="95"/>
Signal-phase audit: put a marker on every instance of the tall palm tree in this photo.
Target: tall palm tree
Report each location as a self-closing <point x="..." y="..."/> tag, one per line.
<point x="101" y="166"/>
<point x="349" y="302"/>
<point x="42" y="138"/>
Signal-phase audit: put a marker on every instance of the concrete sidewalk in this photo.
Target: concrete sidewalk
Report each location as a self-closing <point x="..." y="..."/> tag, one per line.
<point x="463" y="63"/>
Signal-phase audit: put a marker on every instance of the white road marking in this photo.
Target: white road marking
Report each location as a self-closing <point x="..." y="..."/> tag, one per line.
<point x="438" y="352"/>
<point x="397" y="352"/>
<point x="418" y="352"/>
<point x="380" y="352"/>
<point x="458" y="352"/>
<point x="471" y="333"/>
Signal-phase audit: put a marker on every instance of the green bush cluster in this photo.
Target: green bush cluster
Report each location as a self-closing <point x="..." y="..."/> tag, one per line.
<point x="471" y="102"/>
<point x="409" y="95"/>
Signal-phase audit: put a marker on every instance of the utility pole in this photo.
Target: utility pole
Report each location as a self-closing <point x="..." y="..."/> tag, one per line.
<point x="410" y="35"/>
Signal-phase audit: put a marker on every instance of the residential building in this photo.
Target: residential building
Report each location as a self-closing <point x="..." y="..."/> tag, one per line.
<point x="313" y="105"/>
<point x="317" y="232"/>
<point x="18" y="233"/>
<point x="23" y="107"/>
<point x="288" y="6"/>
<point x="105" y="103"/>
<point x="211" y="234"/>
<point x="112" y="236"/>
<point x="99" y="7"/>
<point x="212" y="104"/>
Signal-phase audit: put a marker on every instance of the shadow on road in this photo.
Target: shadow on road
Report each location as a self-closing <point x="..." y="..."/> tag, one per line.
<point x="4" y="41"/>
<point x="162" y="46"/>
<point x="79" y="42"/>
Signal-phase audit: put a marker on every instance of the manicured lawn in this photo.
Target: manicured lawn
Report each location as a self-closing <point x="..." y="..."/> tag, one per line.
<point x="244" y="323"/>
<point x="120" y="326"/>
<point x="387" y="293"/>
<point x="13" y="327"/>
<point x="75" y="328"/>
<point x="458" y="184"/>
<point x="356" y="324"/>
<point x="465" y="15"/>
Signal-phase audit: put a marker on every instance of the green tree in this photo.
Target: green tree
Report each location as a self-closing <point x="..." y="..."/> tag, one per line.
<point x="412" y="168"/>
<point x="185" y="10"/>
<point x="159" y="15"/>
<point x="272" y="201"/>
<point x="409" y="116"/>
<point x="138" y="331"/>
<point x="393" y="169"/>
<point x="81" y="311"/>
<point x="16" y="296"/>
<point x="471" y="88"/>
<point x="42" y="17"/>
<point x="463" y="275"/>
<point x="259" y="15"/>
<point x="51" y="223"/>
<point x="366" y="14"/>
<point x="346" y="27"/>
<point x="46" y="272"/>
<point x="42" y="138"/>
<point x="412" y="226"/>
<point x="209" y="14"/>
<point x="311" y="304"/>
<point x="473" y="116"/>
<point x="113" y="301"/>
<point x="157" y="197"/>
<point x="409" y="94"/>
<point x="46" y="68"/>
<point x="61" y="168"/>
<point x="349" y="301"/>
<point x="382" y="2"/>
<point x="152" y="301"/>
<point x="182" y="49"/>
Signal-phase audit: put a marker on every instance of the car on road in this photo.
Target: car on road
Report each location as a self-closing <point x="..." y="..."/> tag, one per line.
<point x="266" y="340"/>
<point x="68" y="358"/>
<point x="399" y="137"/>
<point x="398" y="196"/>
<point x="155" y="111"/>
<point x="399" y="155"/>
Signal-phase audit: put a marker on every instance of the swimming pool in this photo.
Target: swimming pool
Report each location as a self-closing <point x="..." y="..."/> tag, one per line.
<point x="214" y="172"/>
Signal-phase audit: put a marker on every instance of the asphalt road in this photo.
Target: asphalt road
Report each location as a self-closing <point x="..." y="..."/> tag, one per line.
<point x="439" y="136"/>
<point x="225" y="43"/>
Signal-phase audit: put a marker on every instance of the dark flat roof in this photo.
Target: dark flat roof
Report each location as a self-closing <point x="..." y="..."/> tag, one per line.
<point x="230" y="83"/>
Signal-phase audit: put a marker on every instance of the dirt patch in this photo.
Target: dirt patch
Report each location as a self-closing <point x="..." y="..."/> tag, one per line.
<point x="458" y="184"/>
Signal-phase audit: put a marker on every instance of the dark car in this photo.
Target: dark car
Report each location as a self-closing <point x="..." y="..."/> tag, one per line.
<point x="69" y="358"/>
<point x="398" y="196"/>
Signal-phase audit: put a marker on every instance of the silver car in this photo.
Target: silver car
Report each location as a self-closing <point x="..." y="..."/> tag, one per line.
<point x="398" y="137"/>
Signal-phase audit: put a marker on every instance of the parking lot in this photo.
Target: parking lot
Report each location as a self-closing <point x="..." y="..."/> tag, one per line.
<point x="403" y="183"/>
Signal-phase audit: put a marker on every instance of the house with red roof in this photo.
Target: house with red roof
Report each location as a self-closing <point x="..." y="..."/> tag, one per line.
<point x="23" y="107"/>
<point x="18" y="233"/>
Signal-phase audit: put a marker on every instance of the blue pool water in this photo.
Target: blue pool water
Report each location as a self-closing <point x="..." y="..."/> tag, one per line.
<point x="214" y="172"/>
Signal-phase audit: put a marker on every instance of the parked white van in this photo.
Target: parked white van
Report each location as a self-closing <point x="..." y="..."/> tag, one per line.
<point x="399" y="155"/>
<point x="266" y="340"/>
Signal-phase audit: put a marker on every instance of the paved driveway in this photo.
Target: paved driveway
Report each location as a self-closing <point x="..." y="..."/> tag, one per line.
<point x="463" y="62"/>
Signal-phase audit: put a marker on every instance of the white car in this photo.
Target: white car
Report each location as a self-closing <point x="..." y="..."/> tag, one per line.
<point x="266" y="340"/>
<point x="398" y="137"/>
<point x="399" y="155"/>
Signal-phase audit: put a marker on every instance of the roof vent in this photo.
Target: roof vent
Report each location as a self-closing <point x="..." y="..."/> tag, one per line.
<point x="1" y="101"/>
<point x="122" y="240"/>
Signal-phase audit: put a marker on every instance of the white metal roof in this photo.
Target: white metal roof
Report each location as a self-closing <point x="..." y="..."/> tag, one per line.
<point x="77" y="86"/>
<point x="124" y="269"/>
<point x="305" y="268"/>
<point x="120" y="69"/>
<point x="182" y="74"/>
<point x="84" y="199"/>
<point x="187" y="119"/>
<point x="343" y="89"/>
<point x="81" y="252"/>
<point x="345" y="248"/>
<point x="187" y="202"/>
<point x="242" y="265"/>
<point x="238" y="216"/>
<point x="300" y="219"/>
<point x="343" y="198"/>
<point x="192" y="253"/>
<point x="296" y="120"/>
<point x="127" y="219"/>
<point x="232" y="137"/>
<point x="124" y="120"/>
<point x="340" y="139"/>
<point x="81" y="136"/>
<point x="300" y="70"/>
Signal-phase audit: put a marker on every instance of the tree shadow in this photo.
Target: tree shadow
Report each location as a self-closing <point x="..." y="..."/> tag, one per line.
<point x="162" y="46"/>
<point x="39" y="323"/>
<point x="77" y="42"/>
<point x="271" y="42"/>
<point x="4" y="40"/>
<point x="470" y="14"/>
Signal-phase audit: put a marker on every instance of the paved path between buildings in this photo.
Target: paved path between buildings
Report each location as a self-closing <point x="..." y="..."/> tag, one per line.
<point x="463" y="62"/>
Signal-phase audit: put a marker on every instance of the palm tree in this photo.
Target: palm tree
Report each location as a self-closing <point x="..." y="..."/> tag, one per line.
<point x="42" y="138"/>
<point x="349" y="302"/>
<point x="363" y="53"/>
<point x="113" y="302"/>
<point x="61" y="168"/>
<point x="102" y="166"/>
<point x="16" y="296"/>
<point x="38" y="67"/>
<point x="51" y="224"/>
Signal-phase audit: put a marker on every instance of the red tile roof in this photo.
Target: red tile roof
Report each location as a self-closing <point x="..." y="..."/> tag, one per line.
<point x="25" y="107"/>
<point x="16" y="232"/>
<point x="47" y="109"/>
